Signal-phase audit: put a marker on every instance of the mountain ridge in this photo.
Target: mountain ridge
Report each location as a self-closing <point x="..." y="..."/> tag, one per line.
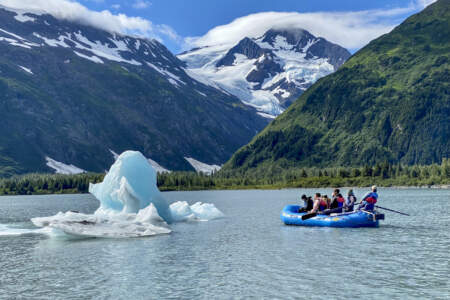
<point x="388" y="102"/>
<point x="73" y="93"/>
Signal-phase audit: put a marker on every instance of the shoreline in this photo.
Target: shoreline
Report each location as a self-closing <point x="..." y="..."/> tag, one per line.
<point x="48" y="184"/>
<point x="242" y="188"/>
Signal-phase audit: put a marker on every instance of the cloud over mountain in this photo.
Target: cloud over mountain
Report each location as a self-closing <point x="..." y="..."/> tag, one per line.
<point x="106" y="20"/>
<point x="351" y="29"/>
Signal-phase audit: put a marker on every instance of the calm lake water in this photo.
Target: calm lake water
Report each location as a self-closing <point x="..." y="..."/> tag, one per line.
<point x="249" y="254"/>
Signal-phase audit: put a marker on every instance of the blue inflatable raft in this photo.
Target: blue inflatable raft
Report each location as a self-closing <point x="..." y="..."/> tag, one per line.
<point x="291" y="216"/>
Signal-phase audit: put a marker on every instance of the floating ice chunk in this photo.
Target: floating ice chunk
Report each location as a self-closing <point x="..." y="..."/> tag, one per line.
<point x="110" y="225"/>
<point x="129" y="186"/>
<point x="130" y="205"/>
<point x="8" y="230"/>
<point x="206" y="211"/>
<point x="181" y="211"/>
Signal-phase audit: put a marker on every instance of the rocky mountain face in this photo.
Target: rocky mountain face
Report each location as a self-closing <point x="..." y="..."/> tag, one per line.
<point x="268" y="72"/>
<point x="76" y="94"/>
<point x="389" y="102"/>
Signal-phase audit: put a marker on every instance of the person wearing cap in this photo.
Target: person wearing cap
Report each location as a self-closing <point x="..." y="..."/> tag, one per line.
<point x="369" y="199"/>
<point x="350" y="201"/>
<point x="308" y="204"/>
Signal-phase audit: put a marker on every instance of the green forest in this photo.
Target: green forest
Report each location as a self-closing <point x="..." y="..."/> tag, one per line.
<point x="383" y="174"/>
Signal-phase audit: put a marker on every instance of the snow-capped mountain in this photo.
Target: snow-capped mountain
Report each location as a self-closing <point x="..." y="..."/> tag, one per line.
<point x="74" y="93"/>
<point x="268" y="72"/>
<point x="42" y="30"/>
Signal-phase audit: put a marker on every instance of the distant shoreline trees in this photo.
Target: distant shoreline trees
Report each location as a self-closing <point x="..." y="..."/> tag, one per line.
<point x="383" y="174"/>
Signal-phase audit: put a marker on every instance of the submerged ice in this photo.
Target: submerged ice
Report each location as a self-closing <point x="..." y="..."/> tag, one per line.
<point x="130" y="205"/>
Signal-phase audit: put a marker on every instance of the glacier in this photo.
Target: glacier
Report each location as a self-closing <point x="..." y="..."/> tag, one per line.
<point x="130" y="205"/>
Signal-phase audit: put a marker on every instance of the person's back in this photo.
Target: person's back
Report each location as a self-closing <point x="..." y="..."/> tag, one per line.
<point x="337" y="202"/>
<point x="324" y="203"/>
<point x="369" y="199"/>
<point x="307" y="204"/>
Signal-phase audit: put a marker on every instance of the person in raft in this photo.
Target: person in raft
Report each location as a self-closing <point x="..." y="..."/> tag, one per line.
<point x="369" y="200"/>
<point x="320" y="204"/>
<point x="337" y="202"/>
<point x="350" y="202"/>
<point x="327" y="200"/>
<point x="334" y="195"/>
<point x="308" y="204"/>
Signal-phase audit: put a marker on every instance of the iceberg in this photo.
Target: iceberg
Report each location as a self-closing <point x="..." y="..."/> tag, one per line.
<point x="130" y="205"/>
<point x="130" y="185"/>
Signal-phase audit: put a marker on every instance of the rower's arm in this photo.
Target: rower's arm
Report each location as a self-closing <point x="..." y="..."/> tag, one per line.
<point x="315" y="207"/>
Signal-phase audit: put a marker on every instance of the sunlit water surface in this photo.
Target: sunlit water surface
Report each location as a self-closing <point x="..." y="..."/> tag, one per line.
<point x="247" y="254"/>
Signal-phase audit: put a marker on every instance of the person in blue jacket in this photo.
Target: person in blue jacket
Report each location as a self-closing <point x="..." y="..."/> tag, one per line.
<point x="369" y="199"/>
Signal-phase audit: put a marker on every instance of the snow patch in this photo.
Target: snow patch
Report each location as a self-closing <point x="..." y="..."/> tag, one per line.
<point x="267" y="116"/>
<point x="26" y="69"/>
<point x="172" y="78"/>
<point x="62" y="168"/>
<point x="91" y="58"/>
<point x="158" y="168"/>
<point x="21" y="17"/>
<point x="202" y="167"/>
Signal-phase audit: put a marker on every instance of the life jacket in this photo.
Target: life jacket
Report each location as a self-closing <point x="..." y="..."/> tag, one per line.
<point x="370" y="201"/>
<point x="323" y="204"/>
<point x="310" y="204"/>
<point x="340" y="201"/>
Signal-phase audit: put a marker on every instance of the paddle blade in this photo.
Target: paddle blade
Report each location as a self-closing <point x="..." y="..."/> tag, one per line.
<point x="308" y="216"/>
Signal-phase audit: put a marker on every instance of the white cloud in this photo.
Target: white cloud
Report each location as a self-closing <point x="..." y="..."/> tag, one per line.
<point x="76" y="12"/>
<point x="351" y="30"/>
<point x="425" y="3"/>
<point x="141" y="4"/>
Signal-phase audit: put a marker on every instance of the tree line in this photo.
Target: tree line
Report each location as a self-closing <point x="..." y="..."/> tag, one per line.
<point x="382" y="174"/>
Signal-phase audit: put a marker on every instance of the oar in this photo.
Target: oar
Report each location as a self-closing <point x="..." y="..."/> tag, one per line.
<point x="308" y="216"/>
<point x="389" y="210"/>
<point x="312" y="215"/>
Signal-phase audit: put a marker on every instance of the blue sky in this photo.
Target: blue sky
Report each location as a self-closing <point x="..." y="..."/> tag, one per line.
<point x="196" y="17"/>
<point x="184" y="24"/>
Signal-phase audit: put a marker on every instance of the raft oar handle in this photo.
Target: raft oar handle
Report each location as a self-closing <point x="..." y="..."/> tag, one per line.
<point x="308" y="216"/>
<point x="399" y="212"/>
<point x="327" y="212"/>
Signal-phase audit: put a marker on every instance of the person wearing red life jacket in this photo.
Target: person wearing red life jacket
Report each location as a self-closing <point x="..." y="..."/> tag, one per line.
<point x="369" y="200"/>
<point x="337" y="202"/>
<point x="320" y="204"/>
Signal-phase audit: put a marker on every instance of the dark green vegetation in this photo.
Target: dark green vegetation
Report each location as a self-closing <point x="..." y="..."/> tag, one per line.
<point x="382" y="174"/>
<point x="74" y="110"/>
<point x="389" y="102"/>
<point x="40" y="184"/>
